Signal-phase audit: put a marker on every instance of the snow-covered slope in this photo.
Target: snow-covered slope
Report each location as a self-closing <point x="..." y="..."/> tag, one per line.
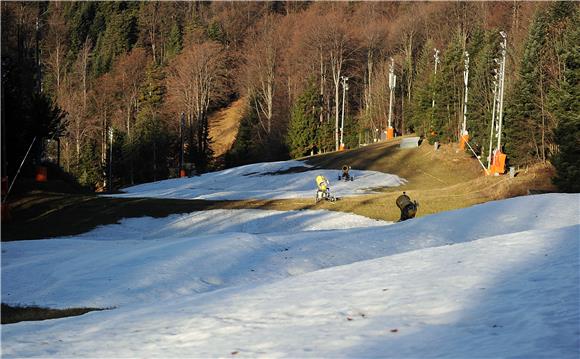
<point x="497" y="280"/>
<point x="261" y="181"/>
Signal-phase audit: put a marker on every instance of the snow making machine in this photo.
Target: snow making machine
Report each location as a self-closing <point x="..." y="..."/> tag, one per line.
<point x="323" y="190"/>
<point x="408" y="208"/>
<point x="345" y="175"/>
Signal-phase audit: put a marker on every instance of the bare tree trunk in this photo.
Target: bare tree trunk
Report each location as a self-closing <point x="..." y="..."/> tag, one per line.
<point x="336" y="106"/>
<point x="78" y="141"/>
<point x="543" y="115"/>
<point x="322" y="85"/>
<point x="402" y="113"/>
<point x="409" y="64"/>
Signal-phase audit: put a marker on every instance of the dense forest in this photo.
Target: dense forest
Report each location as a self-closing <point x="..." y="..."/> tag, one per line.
<point x="122" y="91"/>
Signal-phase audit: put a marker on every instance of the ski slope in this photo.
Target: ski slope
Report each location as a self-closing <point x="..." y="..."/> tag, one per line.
<point x="268" y="180"/>
<point x="497" y="280"/>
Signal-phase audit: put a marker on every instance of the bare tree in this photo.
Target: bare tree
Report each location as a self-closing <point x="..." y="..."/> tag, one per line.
<point x="103" y="105"/>
<point x="56" y="45"/>
<point x="339" y="51"/>
<point x="129" y="74"/>
<point x="372" y="34"/>
<point x="195" y="79"/>
<point x="149" y="23"/>
<point x="262" y="69"/>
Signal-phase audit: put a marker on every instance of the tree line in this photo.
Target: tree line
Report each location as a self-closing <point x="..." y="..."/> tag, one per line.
<point x="135" y="82"/>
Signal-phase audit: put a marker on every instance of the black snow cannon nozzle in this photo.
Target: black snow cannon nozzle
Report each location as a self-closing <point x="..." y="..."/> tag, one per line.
<point x="408" y="208"/>
<point x="345" y="175"/>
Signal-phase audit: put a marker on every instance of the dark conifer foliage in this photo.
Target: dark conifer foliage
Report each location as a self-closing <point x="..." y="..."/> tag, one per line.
<point x="565" y="106"/>
<point x="304" y="123"/>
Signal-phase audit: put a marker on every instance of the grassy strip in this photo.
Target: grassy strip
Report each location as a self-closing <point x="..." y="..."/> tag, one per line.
<point x="439" y="180"/>
<point x="21" y="314"/>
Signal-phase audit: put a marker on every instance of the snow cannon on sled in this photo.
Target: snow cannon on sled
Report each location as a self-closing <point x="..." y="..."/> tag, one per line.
<point x="323" y="190"/>
<point x="345" y="175"/>
<point x="408" y="208"/>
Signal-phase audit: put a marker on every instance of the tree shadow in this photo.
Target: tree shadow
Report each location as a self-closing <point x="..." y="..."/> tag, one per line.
<point x="526" y="311"/>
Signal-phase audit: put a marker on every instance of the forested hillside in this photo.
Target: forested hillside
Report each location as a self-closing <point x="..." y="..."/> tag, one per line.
<point x="124" y="88"/>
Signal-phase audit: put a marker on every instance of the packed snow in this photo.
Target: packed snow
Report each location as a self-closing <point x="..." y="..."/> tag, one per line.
<point x="269" y="180"/>
<point x="497" y="280"/>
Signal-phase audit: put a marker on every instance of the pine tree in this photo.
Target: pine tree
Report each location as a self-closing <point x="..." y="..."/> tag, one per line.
<point x="303" y="123"/>
<point x="175" y="41"/>
<point x="421" y="103"/>
<point x="522" y="118"/>
<point x="482" y="49"/>
<point x="448" y="94"/>
<point x="564" y="102"/>
<point x="152" y="137"/>
<point x="90" y="172"/>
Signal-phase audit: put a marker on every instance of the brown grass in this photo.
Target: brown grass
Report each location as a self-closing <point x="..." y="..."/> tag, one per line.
<point x="439" y="180"/>
<point x="12" y="314"/>
<point x="223" y="126"/>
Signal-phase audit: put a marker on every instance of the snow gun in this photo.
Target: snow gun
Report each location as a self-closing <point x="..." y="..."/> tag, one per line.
<point x="323" y="190"/>
<point x="345" y="175"/>
<point x="408" y="208"/>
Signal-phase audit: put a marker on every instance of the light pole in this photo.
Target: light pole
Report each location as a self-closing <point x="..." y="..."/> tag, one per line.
<point x="436" y="56"/>
<point x="181" y="130"/>
<point x="493" y="112"/>
<point x="392" y="84"/>
<point x="344" y="89"/>
<point x="501" y="86"/>
<point x="111" y="132"/>
<point x="465" y="82"/>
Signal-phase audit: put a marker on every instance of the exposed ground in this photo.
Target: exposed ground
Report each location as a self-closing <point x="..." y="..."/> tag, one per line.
<point x="223" y="126"/>
<point x="22" y="314"/>
<point x="439" y="180"/>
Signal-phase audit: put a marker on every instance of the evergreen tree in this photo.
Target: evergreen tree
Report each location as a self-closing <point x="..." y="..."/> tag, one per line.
<point x="27" y="114"/>
<point x="175" y="41"/>
<point x="89" y="171"/>
<point x="119" y="36"/>
<point x="152" y="143"/>
<point x="304" y="121"/>
<point x="421" y="102"/>
<point x="351" y="132"/>
<point x="522" y="119"/>
<point x="564" y="101"/>
<point x="448" y="94"/>
<point x="482" y="49"/>
<point x="325" y="137"/>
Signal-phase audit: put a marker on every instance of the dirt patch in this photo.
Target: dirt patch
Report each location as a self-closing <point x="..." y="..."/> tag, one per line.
<point x="223" y="126"/>
<point x="298" y="169"/>
<point x="12" y="314"/>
